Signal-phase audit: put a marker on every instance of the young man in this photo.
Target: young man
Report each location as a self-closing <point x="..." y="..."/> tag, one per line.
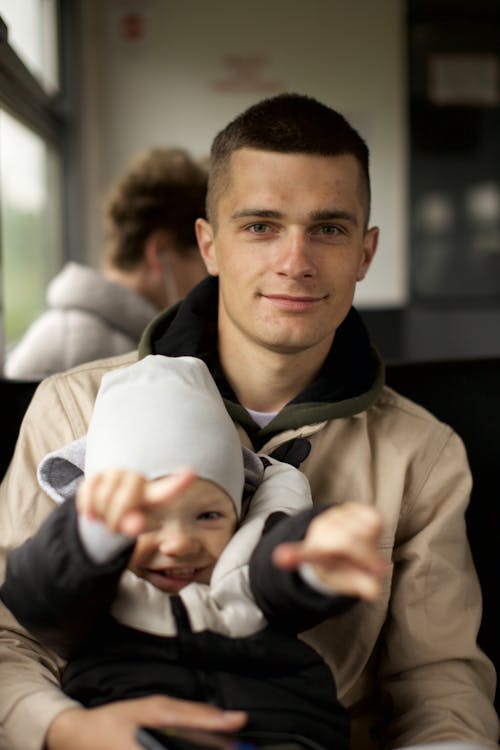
<point x="150" y="261"/>
<point x="162" y="580"/>
<point x="286" y="240"/>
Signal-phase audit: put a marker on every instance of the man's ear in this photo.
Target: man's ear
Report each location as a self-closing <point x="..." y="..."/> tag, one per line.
<point x="370" y="242"/>
<point x="206" y="242"/>
<point x="157" y="244"/>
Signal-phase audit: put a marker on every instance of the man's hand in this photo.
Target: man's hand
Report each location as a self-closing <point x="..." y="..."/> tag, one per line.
<point x="126" y="501"/>
<point x="113" y="727"/>
<point x="341" y="545"/>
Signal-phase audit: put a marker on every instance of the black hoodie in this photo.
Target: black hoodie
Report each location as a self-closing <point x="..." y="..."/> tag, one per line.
<point x="348" y="383"/>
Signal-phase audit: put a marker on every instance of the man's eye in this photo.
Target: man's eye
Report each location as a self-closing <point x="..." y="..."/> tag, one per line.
<point x="258" y="228"/>
<point x="330" y="230"/>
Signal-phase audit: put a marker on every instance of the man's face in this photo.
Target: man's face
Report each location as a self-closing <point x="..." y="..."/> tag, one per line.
<point x="289" y="246"/>
<point x="195" y="529"/>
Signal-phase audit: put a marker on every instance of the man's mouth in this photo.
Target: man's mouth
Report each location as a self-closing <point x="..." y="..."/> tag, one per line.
<point x="294" y="303"/>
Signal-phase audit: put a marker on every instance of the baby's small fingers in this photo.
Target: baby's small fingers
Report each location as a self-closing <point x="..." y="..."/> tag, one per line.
<point x="167" y="489"/>
<point x="83" y="496"/>
<point x="336" y="572"/>
<point x="132" y="524"/>
<point x="351" y="582"/>
<point x="125" y="496"/>
<point x="288" y="555"/>
<point x="364" y="558"/>
<point x="93" y="494"/>
<point x="351" y="521"/>
<point x="100" y="488"/>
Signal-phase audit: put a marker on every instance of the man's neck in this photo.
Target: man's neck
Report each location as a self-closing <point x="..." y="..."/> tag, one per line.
<point x="265" y="380"/>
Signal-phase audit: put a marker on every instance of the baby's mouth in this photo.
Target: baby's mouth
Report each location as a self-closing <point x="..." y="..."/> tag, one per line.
<point x="172" y="580"/>
<point x="181" y="573"/>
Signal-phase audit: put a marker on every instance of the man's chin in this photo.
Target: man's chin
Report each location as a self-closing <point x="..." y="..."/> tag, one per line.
<point x="294" y="342"/>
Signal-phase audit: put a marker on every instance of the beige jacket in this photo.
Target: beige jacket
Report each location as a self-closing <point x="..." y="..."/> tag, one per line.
<point x="409" y="662"/>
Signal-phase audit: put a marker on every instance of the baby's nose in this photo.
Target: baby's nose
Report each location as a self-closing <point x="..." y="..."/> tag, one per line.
<point x="178" y="541"/>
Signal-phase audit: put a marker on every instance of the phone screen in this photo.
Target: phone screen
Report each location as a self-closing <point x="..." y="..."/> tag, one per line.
<point x="187" y="739"/>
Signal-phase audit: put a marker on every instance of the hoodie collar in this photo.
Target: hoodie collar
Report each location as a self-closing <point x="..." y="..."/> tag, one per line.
<point x="348" y="383"/>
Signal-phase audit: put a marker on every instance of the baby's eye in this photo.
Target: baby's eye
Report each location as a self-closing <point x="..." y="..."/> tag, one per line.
<point x="209" y="515"/>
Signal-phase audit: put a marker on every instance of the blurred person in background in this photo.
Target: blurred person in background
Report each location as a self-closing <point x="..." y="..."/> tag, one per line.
<point x="150" y="261"/>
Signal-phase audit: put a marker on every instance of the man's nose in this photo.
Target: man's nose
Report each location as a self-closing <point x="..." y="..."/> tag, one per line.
<point x="294" y="256"/>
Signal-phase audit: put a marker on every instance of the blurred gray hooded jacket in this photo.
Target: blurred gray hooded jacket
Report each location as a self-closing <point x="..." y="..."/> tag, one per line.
<point x="87" y="318"/>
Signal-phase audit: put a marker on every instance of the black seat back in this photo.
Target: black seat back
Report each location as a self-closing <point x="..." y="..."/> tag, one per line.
<point x="15" y="396"/>
<point x="466" y="395"/>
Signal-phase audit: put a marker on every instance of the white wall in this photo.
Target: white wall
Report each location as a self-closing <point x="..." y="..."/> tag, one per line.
<point x="198" y="63"/>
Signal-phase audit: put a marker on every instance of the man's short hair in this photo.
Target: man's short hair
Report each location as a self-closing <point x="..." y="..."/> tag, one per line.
<point x="287" y="123"/>
<point x="163" y="189"/>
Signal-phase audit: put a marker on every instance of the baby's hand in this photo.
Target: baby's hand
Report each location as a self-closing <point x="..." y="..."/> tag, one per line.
<point x="341" y="544"/>
<point x="126" y="501"/>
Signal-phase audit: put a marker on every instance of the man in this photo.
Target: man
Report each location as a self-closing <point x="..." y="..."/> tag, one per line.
<point x="286" y="240"/>
<point x="150" y="262"/>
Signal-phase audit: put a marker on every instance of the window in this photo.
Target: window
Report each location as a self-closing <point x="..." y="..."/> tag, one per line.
<point x="33" y="159"/>
<point x="29" y="220"/>
<point x="32" y="34"/>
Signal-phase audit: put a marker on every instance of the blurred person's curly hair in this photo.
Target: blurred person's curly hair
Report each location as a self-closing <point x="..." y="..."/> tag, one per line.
<point x="164" y="188"/>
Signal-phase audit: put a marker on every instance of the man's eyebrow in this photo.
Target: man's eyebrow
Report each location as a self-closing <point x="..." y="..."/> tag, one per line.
<point x="261" y="213"/>
<point x="324" y="215"/>
<point x="333" y="215"/>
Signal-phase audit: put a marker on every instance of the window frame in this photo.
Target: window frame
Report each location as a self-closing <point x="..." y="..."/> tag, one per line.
<point x="55" y="118"/>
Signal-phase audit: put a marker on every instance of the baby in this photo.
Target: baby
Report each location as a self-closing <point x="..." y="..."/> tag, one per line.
<point x="187" y="566"/>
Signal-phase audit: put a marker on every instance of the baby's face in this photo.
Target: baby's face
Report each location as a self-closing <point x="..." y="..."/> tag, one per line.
<point x="195" y="529"/>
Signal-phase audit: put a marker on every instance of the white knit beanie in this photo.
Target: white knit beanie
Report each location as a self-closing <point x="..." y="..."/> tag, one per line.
<point x="162" y="414"/>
